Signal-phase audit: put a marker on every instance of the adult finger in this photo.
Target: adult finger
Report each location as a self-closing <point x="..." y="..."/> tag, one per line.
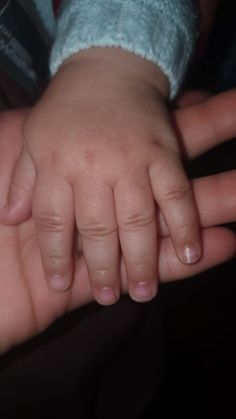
<point x="173" y="194"/>
<point x="216" y="200"/>
<point x="203" y="126"/>
<point x="19" y="201"/>
<point x="11" y="123"/>
<point x="219" y="245"/>
<point x="192" y="97"/>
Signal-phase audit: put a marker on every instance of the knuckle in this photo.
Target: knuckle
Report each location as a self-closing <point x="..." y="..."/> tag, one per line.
<point x="177" y="193"/>
<point x="102" y="275"/>
<point x="56" y="262"/>
<point x="49" y="223"/>
<point x="56" y="158"/>
<point x="138" y="219"/>
<point x="96" y="231"/>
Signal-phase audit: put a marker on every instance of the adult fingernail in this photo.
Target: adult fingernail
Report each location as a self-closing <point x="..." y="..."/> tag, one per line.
<point x="190" y="255"/>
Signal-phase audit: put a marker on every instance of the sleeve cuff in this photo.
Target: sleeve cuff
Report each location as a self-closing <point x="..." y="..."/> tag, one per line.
<point x="162" y="31"/>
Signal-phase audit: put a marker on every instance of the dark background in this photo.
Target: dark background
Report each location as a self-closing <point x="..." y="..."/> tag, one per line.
<point x="173" y="356"/>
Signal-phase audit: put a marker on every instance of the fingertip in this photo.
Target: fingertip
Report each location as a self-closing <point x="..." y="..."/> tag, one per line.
<point x="143" y="292"/>
<point x="107" y="296"/>
<point x="191" y="254"/>
<point x="59" y="283"/>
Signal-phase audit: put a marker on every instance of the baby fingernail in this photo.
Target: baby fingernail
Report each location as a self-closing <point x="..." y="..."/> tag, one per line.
<point x="107" y="296"/>
<point x="143" y="292"/>
<point x="59" y="282"/>
<point x="190" y="255"/>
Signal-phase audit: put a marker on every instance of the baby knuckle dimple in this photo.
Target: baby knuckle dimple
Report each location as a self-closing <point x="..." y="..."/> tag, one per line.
<point x="56" y="158"/>
<point x="88" y="156"/>
<point x="137" y="219"/>
<point x="56" y="262"/>
<point x="96" y="231"/>
<point x="177" y="193"/>
<point x="49" y="223"/>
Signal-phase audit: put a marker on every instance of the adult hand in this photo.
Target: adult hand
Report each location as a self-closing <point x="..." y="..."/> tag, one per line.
<point x="28" y="306"/>
<point x="103" y="125"/>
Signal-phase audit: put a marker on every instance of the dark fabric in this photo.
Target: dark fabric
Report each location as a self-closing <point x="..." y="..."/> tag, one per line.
<point x="101" y="363"/>
<point x="24" y="51"/>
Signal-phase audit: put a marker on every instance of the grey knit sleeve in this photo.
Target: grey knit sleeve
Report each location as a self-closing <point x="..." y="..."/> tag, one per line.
<point x="162" y="31"/>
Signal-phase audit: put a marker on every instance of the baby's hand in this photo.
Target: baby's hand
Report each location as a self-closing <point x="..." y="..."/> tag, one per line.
<point x="100" y="151"/>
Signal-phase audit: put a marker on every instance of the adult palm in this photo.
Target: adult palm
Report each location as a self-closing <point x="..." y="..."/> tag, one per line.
<point x="28" y="306"/>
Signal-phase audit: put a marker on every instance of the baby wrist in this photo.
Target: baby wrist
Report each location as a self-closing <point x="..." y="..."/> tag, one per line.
<point x="162" y="31"/>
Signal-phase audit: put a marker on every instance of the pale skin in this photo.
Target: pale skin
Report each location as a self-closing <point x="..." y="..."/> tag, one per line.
<point x="100" y="153"/>
<point x="103" y="125"/>
<point x="28" y="305"/>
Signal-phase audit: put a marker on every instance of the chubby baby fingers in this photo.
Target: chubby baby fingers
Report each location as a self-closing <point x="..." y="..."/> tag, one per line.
<point x="19" y="200"/>
<point x="173" y="194"/>
<point x="136" y="216"/>
<point x="53" y="216"/>
<point x="96" y="223"/>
